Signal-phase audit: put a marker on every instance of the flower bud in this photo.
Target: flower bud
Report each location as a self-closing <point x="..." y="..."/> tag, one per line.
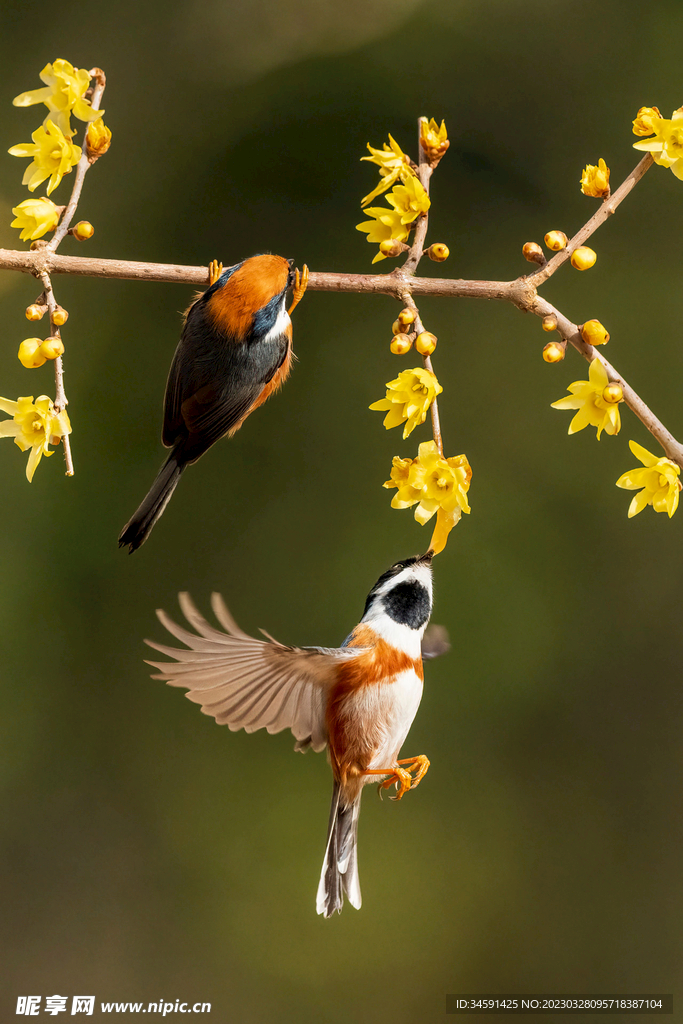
<point x="595" y="180"/>
<point x="97" y="139"/>
<point x="406" y="317"/>
<point x="397" y="327"/>
<point x="433" y="139"/>
<point x="425" y="343"/>
<point x="391" y="247"/>
<point x="438" y="252"/>
<point x="613" y="394"/>
<point x="643" y="124"/>
<point x="29" y="354"/>
<point x="556" y="240"/>
<point x="82" y="231"/>
<point x="60" y="316"/>
<point x="533" y="253"/>
<point x="583" y="258"/>
<point x="35" y="312"/>
<point x="51" y="348"/>
<point x="553" y="352"/>
<point x="593" y="333"/>
<point x="549" y="323"/>
<point x="401" y="344"/>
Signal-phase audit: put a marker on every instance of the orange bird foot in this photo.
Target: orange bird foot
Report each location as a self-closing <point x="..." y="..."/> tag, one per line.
<point x="401" y="777"/>
<point x="215" y="271"/>
<point x="300" y="286"/>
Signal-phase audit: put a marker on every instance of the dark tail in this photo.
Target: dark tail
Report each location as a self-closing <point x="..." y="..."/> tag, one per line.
<point x="339" y="875"/>
<point x="137" y="530"/>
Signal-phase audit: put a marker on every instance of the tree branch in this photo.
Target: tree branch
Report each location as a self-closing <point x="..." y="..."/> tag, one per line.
<point x="400" y="284"/>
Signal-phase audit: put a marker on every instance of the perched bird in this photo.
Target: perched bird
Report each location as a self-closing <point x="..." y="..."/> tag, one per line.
<point x="359" y="699"/>
<point x="234" y="351"/>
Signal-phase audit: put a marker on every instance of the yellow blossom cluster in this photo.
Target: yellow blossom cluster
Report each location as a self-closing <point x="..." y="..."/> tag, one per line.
<point x="667" y="145"/>
<point x="408" y="199"/>
<point x="52" y="150"/>
<point x="34" y="425"/>
<point x="434" y="484"/>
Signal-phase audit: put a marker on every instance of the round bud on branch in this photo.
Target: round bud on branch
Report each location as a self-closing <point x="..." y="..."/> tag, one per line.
<point x="425" y="343"/>
<point x="553" y="352"/>
<point x="533" y="253"/>
<point x="401" y="344"/>
<point x="583" y="258"/>
<point x="82" y="231"/>
<point x="593" y="333"/>
<point x="438" y="252"/>
<point x="556" y="240"/>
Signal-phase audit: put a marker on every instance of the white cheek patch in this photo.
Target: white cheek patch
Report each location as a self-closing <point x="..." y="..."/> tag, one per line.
<point x="403" y="638"/>
<point x="282" y="322"/>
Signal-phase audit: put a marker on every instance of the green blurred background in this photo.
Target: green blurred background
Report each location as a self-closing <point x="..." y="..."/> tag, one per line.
<point x="149" y="854"/>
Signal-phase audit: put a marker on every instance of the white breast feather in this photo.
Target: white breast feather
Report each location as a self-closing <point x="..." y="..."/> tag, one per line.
<point x="282" y="321"/>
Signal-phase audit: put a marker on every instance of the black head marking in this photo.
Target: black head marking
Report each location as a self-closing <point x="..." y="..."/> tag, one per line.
<point x="408" y="603"/>
<point x="394" y="571"/>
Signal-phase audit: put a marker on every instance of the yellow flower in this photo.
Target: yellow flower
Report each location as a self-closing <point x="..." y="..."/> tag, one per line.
<point x="393" y="164"/>
<point x="35" y="426"/>
<point x="408" y="399"/>
<point x="407" y="493"/>
<point x="434" y="484"/>
<point x="53" y="156"/>
<point x="64" y="95"/>
<point x="645" y="120"/>
<point x="659" y="481"/>
<point x="35" y="217"/>
<point x="667" y="145"/>
<point x="409" y="200"/>
<point x="595" y="180"/>
<point x="385" y="226"/>
<point x="595" y="401"/>
<point x="433" y="139"/>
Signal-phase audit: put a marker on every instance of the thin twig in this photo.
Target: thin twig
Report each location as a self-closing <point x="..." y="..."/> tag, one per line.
<point x="424" y="173"/>
<point x="83" y="164"/>
<point x="61" y="400"/>
<point x="599" y="217"/>
<point x="572" y="333"/>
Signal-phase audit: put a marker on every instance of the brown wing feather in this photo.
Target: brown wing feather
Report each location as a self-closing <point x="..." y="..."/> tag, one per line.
<point x="246" y="683"/>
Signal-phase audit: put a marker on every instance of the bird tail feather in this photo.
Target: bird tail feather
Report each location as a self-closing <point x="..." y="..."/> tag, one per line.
<point x="138" y="528"/>
<point x="339" y="876"/>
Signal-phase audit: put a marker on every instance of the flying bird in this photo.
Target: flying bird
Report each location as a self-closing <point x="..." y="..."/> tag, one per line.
<point x="234" y="351"/>
<point x="358" y="700"/>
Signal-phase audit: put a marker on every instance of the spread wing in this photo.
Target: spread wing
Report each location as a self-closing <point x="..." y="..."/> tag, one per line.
<point x="246" y="683"/>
